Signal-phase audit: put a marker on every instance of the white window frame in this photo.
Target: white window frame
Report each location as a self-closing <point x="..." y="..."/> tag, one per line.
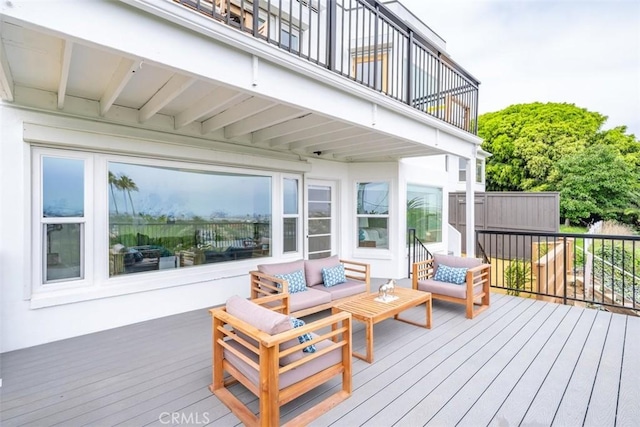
<point x="96" y="282"/>
<point x="462" y="169"/>
<point x="358" y="216"/>
<point x="38" y="246"/>
<point x="298" y="215"/>
<point x="479" y="171"/>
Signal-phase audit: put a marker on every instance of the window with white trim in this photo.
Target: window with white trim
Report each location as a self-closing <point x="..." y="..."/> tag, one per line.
<point x="372" y="214"/>
<point x="153" y="215"/>
<point x="424" y="212"/>
<point x="479" y="171"/>
<point x="462" y="169"/>
<point x="169" y="217"/>
<point x="62" y="208"/>
<point x="290" y="214"/>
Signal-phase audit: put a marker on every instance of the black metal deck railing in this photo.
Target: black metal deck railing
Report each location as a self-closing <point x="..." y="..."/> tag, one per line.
<point x="590" y="269"/>
<point x="364" y="41"/>
<point x="416" y="250"/>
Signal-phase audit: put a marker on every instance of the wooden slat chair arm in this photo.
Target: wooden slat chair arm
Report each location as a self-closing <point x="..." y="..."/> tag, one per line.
<point x="360" y="271"/>
<point x="263" y="284"/>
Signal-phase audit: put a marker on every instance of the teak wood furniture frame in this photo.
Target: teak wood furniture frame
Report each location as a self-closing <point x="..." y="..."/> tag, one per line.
<point x="335" y="328"/>
<point x="476" y="276"/>
<point x="369" y="311"/>
<point x="265" y="284"/>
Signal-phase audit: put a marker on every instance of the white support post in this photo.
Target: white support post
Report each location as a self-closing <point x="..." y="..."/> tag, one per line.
<point x="471" y="210"/>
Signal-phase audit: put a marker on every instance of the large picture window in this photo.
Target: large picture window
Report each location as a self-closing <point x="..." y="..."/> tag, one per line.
<point x="373" y="214"/>
<point x="424" y="212"/>
<point x="168" y="218"/>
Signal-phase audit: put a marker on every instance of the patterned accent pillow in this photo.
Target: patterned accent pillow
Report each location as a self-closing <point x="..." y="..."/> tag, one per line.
<point x="454" y="275"/>
<point x="296" y="323"/>
<point x="333" y="275"/>
<point x="297" y="282"/>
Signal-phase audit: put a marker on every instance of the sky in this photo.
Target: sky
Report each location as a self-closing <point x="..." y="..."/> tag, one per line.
<point x="580" y="52"/>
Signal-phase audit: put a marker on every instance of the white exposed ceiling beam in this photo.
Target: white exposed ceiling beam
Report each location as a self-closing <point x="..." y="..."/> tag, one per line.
<point x="297" y="136"/>
<point x="303" y="123"/>
<point x="390" y="155"/>
<point x="6" y="79"/>
<point x="386" y="149"/>
<point x="175" y="86"/>
<point x="126" y="69"/>
<point x="215" y="102"/>
<point x="241" y="111"/>
<point x="334" y="136"/>
<point x="272" y="116"/>
<point x="336" y="146"/>
<point x="65" y="64"/>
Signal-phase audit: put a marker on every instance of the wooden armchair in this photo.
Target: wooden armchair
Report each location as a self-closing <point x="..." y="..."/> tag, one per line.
<point x="474" y="290"/>
<point x="257" y="346"/>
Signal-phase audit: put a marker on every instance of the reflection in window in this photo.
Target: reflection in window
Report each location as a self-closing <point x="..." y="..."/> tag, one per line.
<point x="63" y="244"/>
<point x="462" y="169"/>
<point x="62" y="187"/>
<point x="372" y="71"/>
<point x="289" y="40"/>
<point x="62" y="218"/>
<point x="291" y="215"/>
<point x="479" y="171"/>
<point x="424" y="212"/>
<point x="166" y="218"/>
<point x="373" y="214"/>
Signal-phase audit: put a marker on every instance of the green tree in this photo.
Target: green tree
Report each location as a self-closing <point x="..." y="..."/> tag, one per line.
<point x="113" y="182"/>
<point x="594" y="183"/>
<point x="527" y="140"/>
<point x="127" y="185"/>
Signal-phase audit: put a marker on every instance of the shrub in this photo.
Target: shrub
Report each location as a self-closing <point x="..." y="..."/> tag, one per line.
<point x="516" y="276"/>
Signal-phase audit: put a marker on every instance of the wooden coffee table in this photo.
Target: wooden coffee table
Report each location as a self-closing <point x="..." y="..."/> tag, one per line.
<point x="370" y="312"/>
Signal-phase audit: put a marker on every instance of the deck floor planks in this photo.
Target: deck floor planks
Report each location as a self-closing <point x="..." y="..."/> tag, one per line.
<point x="543" y="408"/>
<point x="388" y="353"/>
<point x="604" y="397"/>
<point x="492" y="397"/>
<point x="393" y="381"/>
<point x="132" y="365"/>
<point x="574" y="403"/>
<point x="425" y="397"/>
<point x="453" y="411"/>
<point x="132" y="375"/>
<point x="515" y="406"/>
<point x="94" y="359"/>
<point x="629" y="395"/>
<point x="458" y="394"/>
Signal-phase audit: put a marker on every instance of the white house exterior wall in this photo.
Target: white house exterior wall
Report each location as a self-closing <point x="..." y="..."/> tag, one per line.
<point x="182" y="43"/>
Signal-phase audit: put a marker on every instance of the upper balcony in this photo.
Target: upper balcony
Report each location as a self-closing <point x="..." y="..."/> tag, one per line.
<point x="379" y="45"/>
<point x="348" y="80"/>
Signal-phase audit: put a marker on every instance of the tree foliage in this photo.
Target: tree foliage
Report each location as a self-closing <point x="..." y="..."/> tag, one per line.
<point x="561" y="147"/>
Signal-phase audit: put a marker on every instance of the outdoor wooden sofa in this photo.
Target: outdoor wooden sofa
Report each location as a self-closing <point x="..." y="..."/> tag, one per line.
<point x="471" y="290"/>
<point x="317" y="294"/>
<point x="257" y="345"/>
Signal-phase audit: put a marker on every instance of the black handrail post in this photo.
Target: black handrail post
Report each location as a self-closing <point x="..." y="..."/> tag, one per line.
<point x="256" y="17"/>
<point x="375" y="51"/>
<point x="564" y="256"/>
<point x="410" y="68"/>
<point x="331" y="34"/>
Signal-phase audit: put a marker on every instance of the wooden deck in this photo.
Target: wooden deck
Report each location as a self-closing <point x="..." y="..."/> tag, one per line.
<point x="521" y="362"/>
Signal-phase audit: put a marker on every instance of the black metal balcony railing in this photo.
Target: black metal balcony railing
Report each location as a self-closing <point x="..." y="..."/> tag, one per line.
<point x="416" y="250"/>
<point x="589" y="269"/>
<point x="363" y="41"/>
